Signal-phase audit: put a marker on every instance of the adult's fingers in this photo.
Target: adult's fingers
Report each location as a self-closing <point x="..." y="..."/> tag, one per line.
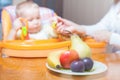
<point x="63" y="21"/>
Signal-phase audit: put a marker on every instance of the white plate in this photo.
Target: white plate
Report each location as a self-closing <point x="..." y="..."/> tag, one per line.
<point x="98" y="67"/>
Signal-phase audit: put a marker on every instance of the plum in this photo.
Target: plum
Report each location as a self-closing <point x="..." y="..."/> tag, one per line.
<point x="88" y="62"/>
<point x="77" y="66"/>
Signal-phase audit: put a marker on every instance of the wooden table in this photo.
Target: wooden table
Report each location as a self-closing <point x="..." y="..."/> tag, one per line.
<point x="35" y="69"/>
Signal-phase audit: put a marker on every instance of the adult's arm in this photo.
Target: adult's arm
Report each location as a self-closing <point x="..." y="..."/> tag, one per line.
<point x="102" y="25"/>
<point x="115" y="40"/>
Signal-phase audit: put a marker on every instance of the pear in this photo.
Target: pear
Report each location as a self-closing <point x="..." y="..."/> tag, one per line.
<point x="80" y="46"/>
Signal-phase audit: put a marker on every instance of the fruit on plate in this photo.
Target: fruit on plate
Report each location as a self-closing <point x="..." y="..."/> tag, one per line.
<point x="67" y="57"/>
<point x="81" y="47"/>
<point x="79" y="52"/>
<point x="77" y="66"/>
<point x="53" y="59"/>
<point x="88" y="63"/>
<point x="81" y="65"/>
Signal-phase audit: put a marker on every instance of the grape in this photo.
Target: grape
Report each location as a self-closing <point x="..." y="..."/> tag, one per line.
<point x="88" y="62"/>
<point x="77" y="66"/>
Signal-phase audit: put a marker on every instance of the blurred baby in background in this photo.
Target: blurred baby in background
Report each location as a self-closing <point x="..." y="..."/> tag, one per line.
<point x="38" y="27"/>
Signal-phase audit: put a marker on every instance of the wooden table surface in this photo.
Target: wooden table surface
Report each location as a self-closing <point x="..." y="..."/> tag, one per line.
<point x="35" y="69"/>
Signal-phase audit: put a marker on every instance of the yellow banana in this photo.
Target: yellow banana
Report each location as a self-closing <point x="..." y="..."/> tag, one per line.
<point x="53" y="59"/>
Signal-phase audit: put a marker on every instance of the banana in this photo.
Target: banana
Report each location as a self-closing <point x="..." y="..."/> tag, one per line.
<point x="53" y="59"/>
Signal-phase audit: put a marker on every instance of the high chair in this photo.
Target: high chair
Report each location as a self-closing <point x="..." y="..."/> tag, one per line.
<point x="8" y="17"/>
<point x="28" y="48"/>
<point x="33" y="48"/>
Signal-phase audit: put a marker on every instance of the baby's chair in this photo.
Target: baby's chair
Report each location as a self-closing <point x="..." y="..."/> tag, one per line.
<point x="8" y="16"/>
<point x="28" y="48"/>
<point x="34" y="48"/>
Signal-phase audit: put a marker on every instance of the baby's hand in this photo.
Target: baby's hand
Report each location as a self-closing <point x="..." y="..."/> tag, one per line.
<point x="17" y="24"/>
<point x="102" y="35"/>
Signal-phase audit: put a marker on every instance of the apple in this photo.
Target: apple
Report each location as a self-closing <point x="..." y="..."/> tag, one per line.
<point x="67" y="57"/>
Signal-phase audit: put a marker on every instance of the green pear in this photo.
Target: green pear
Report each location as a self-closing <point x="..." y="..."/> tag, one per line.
<point x="80" y="46"/>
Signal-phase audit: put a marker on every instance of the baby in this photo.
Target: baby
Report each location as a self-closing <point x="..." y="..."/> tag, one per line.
<point x="37" y="28"/>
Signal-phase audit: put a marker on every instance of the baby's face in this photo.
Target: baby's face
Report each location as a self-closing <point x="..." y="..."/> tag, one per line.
<point x="33" y="17"/>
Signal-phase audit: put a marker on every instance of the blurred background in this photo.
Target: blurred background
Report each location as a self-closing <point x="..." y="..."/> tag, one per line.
<point x="80" y="11"/>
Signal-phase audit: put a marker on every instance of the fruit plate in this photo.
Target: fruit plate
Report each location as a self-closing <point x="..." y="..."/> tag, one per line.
<point x="98" y="68"/>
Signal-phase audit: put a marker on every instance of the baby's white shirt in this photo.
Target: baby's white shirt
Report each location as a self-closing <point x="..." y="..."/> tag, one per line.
<point x="47" y="32"/>
<point x="41" y="35"/>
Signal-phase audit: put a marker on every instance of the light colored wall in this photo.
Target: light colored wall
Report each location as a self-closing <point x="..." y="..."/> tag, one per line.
<point x="85" y="11"/>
